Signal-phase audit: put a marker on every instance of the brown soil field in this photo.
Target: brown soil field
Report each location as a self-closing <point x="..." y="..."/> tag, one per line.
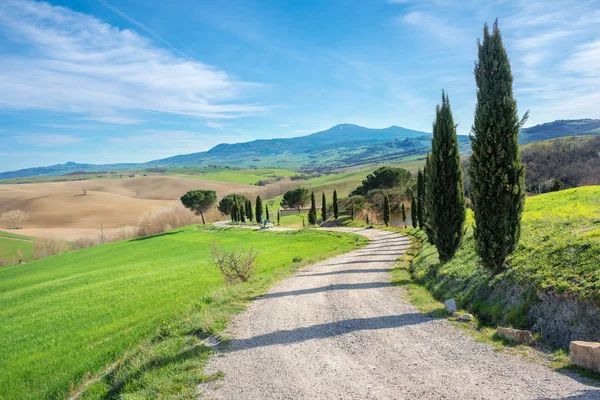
<point x="62" y="209"/>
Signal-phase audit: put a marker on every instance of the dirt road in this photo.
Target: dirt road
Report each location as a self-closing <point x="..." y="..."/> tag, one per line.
<point x="339" y="330"/>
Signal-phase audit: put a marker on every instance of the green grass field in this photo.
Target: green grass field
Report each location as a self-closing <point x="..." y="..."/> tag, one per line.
<point x="68" y="317"/>
<point x="559" y="250"/>
<point x="9" y="247"/>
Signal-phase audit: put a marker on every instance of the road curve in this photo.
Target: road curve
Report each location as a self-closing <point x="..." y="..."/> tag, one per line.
<point x="339" y="330"/>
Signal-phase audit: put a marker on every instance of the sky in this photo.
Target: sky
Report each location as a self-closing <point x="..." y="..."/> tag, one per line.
<point x="106" y="81"/>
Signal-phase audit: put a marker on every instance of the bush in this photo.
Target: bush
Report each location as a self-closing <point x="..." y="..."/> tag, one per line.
<point x="162" y="219"/>
<point x="47" y="247"/>
<point x="236" y="265"/>
<point x="14" y="219"/>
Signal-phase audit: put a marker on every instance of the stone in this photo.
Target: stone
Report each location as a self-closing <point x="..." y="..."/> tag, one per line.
<point x="465" y="318"/>
<point x="516" y="335"/>
<point x="450" y="305"/>
<point x="586" y="355"/>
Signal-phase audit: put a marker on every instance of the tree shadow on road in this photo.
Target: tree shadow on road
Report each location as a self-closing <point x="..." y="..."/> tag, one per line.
<point x="322" y="331"/>
<point x="346" y="271"/>
<point x="328" y="288"/>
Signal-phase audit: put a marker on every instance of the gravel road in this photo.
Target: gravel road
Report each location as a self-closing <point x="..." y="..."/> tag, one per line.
<point x="339" y="330"/>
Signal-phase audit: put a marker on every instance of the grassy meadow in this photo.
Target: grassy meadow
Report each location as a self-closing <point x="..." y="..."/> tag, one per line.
<point x="559" y="250"/>
<point x="139" y="305"/>
<point x="11" y="244"/>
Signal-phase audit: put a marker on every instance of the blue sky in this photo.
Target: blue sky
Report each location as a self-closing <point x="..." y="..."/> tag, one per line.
<point x="106" y="81"/>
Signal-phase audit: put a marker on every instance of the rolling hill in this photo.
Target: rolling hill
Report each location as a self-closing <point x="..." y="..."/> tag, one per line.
<point x="341" y="146"/>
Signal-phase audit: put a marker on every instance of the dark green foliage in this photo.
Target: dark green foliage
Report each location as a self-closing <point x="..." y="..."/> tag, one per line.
<point x="367" y="218"/>
<point x="383" y="178"/>
<point x="267" y="213"/>
<point x="312" y="213"/>
<point x="296" y="198"/>
<point x="425" y="217"/>
<point x="259" y="210"/>
<point x="352" y="210"/>
<point x="386" y="210"/>
<point x="420" y="198"/>
<point x="249" y="213"/>
<point x="227" y="202"/>
<point x="278" y="217"/>
<point x="199" y="201"/>
<point x="496" y="173"/>
<point x="335" y="204"/>
<point x="324" y="208"/>
<point x="444" y="197"/>
<point x="403" y="208"/>
<point x="556" y="185"/>
<point x="413" y="212"/>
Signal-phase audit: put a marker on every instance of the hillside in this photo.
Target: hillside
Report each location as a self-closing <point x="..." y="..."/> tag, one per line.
<point x="552" y="284"/>
<point x="560" y="128"/>
<point x="86" y="309"/>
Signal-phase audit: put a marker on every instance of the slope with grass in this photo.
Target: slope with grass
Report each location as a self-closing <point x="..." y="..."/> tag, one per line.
<point x="142" y="303"/>
<point x="552" y="284"/>
<point x="13" y="245"/>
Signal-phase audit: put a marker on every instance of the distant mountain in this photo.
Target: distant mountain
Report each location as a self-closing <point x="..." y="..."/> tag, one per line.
<point x="560" y="128"/>
<point x="340" y="146"/>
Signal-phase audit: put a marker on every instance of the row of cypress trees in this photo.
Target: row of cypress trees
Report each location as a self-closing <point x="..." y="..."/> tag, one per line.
<point x="496" y="171"/>
<point x="242" y="211"/>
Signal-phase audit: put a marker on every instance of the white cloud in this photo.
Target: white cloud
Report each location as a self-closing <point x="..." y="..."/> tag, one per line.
<point x="47" y="140"/>
<point x="215" y="125"/>
<point x="74" y="62"/>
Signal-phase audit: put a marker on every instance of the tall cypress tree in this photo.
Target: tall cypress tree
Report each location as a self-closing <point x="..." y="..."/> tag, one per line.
<point x="404" y="214"/>
<point x="420" y="197"/>
<point x="496" y="171"/>
<point x="351" y="209"/>
<point x="444" y="196"/>
<point x="324" y="208"/>
<point x="426" y="215"/>
<point x="278" y="217"/>
<point x="413" y="212"/>
<point x="312" y="213"/>
<point x="335" y="204"/>
<point x="386" y="209"/>
<point x="267" y="213"/>
<point x="234" y="217"/>
<point x="249" y="213"/>
<point x="259" y="209"/>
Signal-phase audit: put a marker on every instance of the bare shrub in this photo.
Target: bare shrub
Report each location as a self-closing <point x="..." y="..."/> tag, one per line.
<point x="236" y="265"/>
<point x="162" y="219"/>
<point x="84" y="243"/>
<point x="46" y="247"/>
<point x="14" y="219"/>
<point x="125" y="233"/>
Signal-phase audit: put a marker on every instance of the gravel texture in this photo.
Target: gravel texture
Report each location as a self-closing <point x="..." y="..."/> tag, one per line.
<point x="339" y="330"/>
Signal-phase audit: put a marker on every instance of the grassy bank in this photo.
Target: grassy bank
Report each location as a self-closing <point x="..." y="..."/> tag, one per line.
<point x="559" y="252"/>
<point x="12" y="245"/>
<point x="128" y="317"/>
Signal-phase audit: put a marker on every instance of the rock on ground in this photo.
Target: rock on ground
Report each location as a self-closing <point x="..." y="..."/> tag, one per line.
<point x="340" y="330"/>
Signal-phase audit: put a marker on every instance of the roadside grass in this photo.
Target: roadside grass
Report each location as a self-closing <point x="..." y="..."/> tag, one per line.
<point x="9" y="247"/>
<point x="128" y="319"/>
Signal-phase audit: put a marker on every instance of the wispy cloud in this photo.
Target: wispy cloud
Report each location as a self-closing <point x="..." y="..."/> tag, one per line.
<point x="216" y="125"/>
<point x="74" y="62"/>
<point x="47" y="140"/>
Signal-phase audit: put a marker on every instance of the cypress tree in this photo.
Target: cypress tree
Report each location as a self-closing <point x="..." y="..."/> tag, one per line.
<point x="335" y="204"/>
<point x="404" y="214"/>
<point x="367" y="218"/>
<point x="386" y="209"/>
<point x="424" y="225"/>
<point x="234" y="209"/>
<point x="259" y="210"/>
<point x="496" y="172"/>
<point x="278" y="216"/>
<point x="420" y="197"/>
<point x="267" y="212"/>
<point x="444" y="196"/>
<point x="413" y="212"/>
<point x="352" y="210"/>
<point x="312" y="213"/>
<point x="249" y="213"/>
<point x="324" y="208"/>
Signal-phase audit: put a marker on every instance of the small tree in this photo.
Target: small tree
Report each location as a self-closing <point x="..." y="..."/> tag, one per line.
<point x="386" y="210"/>
<point x="199" y="201"/>
<point x="324" y="208"/>
<point x="335" y="204"/>
<point x="278" y="217"/>
<point x="259" y="209"/>
<point x="267" y="212"/>
<point x="413" y="212"/>
<point x="227" y="202"/>
<point x="296" y="198"/>
<point x="312" y="213"/>
<point x="351" y="209"/>
<point x="404" y="214"/>
<point x="367" y="218"/>
<point x="235" y="265"/>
